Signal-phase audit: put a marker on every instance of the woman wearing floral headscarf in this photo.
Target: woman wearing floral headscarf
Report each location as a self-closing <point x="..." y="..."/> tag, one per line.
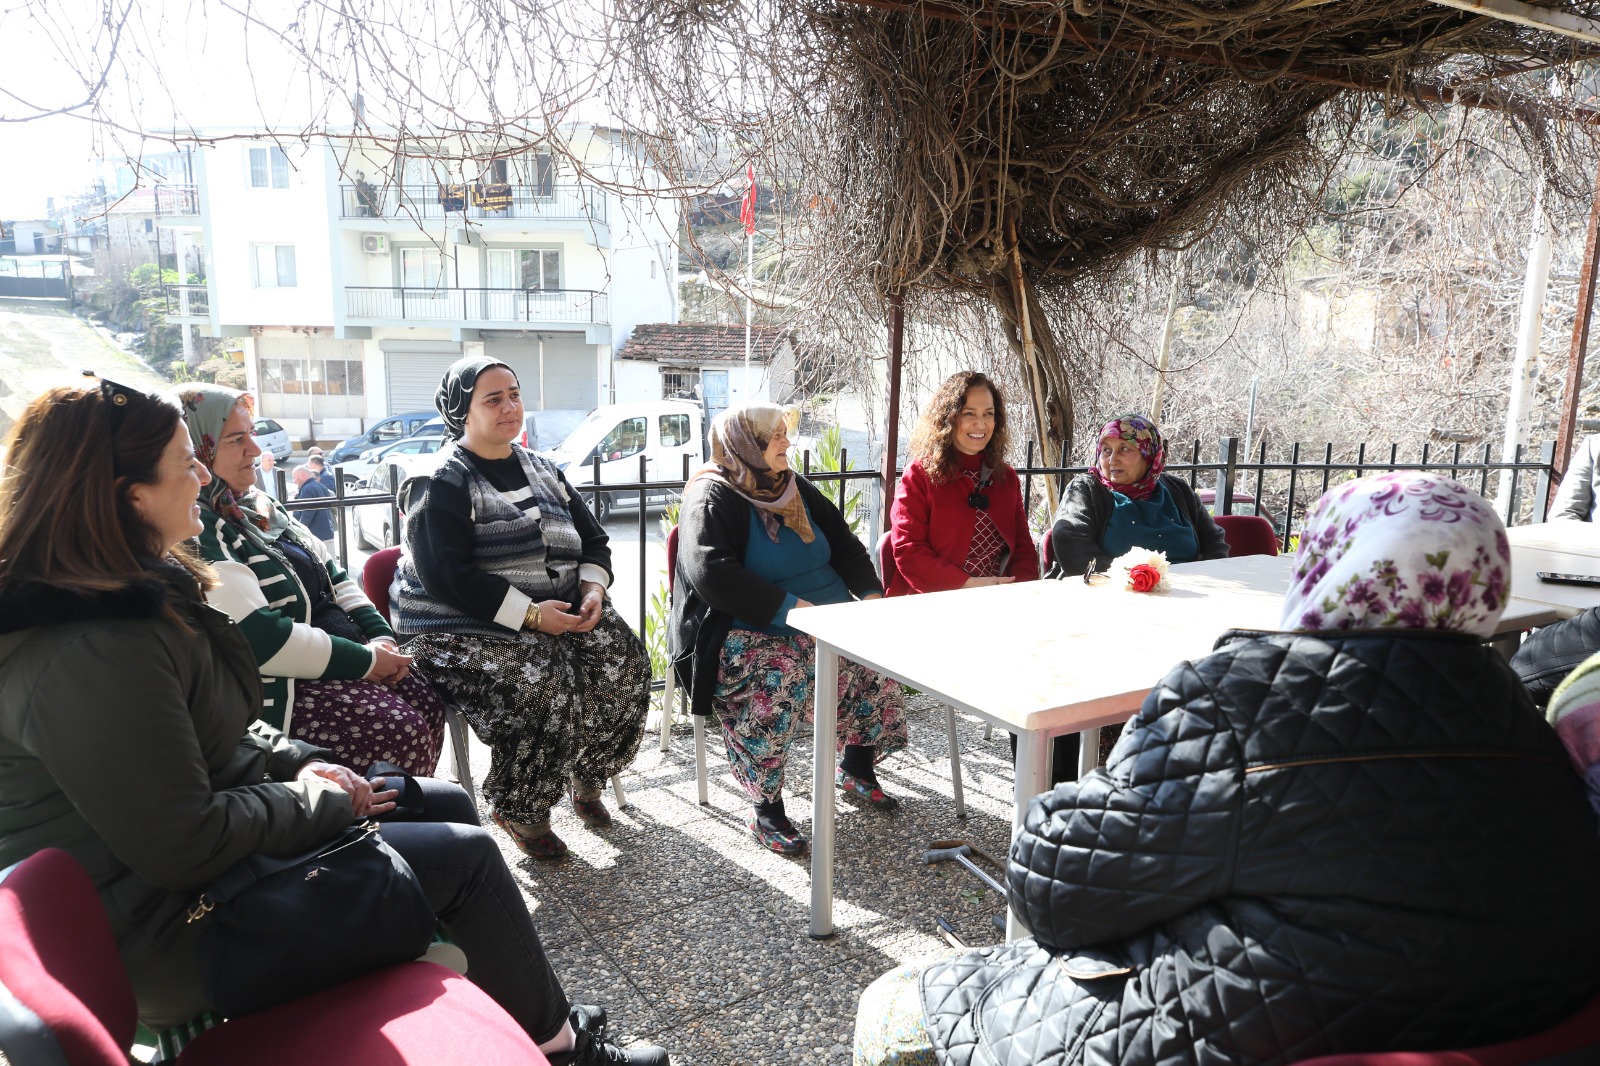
<point x="1354" y="835"/>
<point x="503" y="592"/>
<point x="331" y="672"/>
<point x="1124" y="501"/>
<point x="756" y="540"/>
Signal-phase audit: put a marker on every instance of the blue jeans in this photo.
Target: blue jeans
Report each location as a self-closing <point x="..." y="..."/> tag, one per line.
<point x="479" y="905"/>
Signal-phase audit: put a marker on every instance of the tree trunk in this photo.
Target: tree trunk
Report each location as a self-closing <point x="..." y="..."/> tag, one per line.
<point x="1033" y="347"/>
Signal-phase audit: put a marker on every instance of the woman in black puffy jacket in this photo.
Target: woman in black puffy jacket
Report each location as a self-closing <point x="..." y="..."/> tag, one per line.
<point x="1352" y="835"/>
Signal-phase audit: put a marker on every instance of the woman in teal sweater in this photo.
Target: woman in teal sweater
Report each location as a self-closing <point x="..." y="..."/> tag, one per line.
<point x="755" y="541"/>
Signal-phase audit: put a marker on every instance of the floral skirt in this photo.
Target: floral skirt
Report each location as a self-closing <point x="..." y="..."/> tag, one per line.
<point x="363" y="722"/>
<point x="889" y="1024"/>
<point x="549" y="707"/>
<point x="763" y="698"/>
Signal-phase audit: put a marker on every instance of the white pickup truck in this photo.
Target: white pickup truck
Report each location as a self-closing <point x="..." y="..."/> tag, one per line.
<point x="663" y="431"/>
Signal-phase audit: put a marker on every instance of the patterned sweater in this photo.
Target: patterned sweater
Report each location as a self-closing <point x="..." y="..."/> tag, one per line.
<point x="476" y="554"/>
<point x="259" y="590"/>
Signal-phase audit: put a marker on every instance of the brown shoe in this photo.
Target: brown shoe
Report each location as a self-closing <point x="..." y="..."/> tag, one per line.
<point x="544" y="846"/>
<point x="592" y="811"/>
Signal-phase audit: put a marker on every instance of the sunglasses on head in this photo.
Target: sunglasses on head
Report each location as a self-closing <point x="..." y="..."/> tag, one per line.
<point x="117" y="398"/>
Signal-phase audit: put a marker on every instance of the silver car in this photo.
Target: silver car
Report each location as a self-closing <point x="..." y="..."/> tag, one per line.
<point x="271" y="437"/>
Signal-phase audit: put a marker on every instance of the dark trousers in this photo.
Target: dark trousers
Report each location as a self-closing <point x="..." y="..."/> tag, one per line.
<point x="480" y="906"/>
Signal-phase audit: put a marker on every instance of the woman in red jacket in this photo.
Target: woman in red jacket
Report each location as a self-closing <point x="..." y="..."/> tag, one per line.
<point x="958" y="519"/>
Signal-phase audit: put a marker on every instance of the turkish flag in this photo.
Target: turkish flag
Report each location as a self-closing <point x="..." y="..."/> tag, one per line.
<point x="747" y="209"/>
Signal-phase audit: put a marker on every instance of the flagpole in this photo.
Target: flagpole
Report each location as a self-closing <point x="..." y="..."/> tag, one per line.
<point x="747" y="215"/>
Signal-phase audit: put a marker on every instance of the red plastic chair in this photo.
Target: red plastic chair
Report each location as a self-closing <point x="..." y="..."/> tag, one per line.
<point x="1248" y="534"/>
<point x="377" y="575"/>
<point x="1047" y="553"/>
<point x="1574" y="1041"/>
<point x="887" y="571"/>
<point x="71" y="1000"/>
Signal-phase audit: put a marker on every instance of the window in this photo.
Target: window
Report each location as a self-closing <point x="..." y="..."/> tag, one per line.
<point x="674" y="430"/>
<point x="680" y="383"/>
<point x="266" y="425"/>
<point x="387" y="430"/>
<point x="330" y="377"/>
<point x="274" y="265"/>
<point x="269" y="168"/>
<point x="421" y="268"/>
<point x="525" y="268"/>
<point x="627" y="439"/>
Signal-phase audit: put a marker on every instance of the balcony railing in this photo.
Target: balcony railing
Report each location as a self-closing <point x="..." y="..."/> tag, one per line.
<point x="177" y="199"/>
<point x="476" y="305"/>
<point x="474" y="200"/>
<point x="187" y="300"/>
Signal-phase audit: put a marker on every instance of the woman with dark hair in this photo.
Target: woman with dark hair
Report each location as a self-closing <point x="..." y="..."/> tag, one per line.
<point x="1124" y="501"/>
<point x="755" y="541"/>
<point x="958" y="520"/>
<point x="503" y="594"/>
<point x="1354" y="834"/>
<point x="331" y="669"/>
<point x="129" y="733"/>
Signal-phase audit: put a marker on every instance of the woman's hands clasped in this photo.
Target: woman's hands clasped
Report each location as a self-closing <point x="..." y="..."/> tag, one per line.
<point x="556" y="618"/>
<point x="368" y="798"/>
<point x="389" y="667"/>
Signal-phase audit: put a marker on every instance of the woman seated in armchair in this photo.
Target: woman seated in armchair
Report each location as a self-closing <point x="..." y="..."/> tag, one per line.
<point x="129" y="733"/>
<point x="1352" y="835"/>
<point x="756" y="540"/>
<point x="1124" y="501"/>
<point x="331" y="670"/>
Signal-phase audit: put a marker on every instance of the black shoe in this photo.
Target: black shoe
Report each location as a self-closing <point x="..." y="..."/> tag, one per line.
<point x="591" y="1052"/>
<point x="587" y="1018"/>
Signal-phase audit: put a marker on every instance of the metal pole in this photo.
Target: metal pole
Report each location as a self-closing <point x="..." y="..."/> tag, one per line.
<point x="1529" y="327"/>
<point x="1580" y="343"/>
<point x="1249" y="429"/>
<point x="891" y="436"/>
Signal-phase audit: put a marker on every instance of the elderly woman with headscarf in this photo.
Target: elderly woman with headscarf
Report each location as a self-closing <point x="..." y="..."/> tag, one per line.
<point x="502" y="590"/>
<point x="755" y="541"/>
<point x="1352" y="835"/>
<point x="1124" y="501"/>
<point x="331" y="671"/>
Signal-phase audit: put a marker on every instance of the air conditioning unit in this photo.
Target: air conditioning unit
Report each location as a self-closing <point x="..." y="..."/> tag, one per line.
<point x="374" y="244"/>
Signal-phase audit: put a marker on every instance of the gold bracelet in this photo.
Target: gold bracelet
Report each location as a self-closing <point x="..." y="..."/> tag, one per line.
<point x="530" y="619"/>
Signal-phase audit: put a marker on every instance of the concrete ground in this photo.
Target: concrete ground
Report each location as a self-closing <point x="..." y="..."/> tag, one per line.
<point x="41" y="347"/>
<point x="695" y="938"/>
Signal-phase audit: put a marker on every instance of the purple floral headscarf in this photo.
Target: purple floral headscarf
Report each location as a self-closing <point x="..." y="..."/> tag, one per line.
<point x="1147" y="438"/>
<point x="1406" y="550"/>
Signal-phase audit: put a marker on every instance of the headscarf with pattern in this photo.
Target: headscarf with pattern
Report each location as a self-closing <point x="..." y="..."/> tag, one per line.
<point x="739" y="439"/>
<point x="454" y="397"/>
<point x="1408" y="550"/>
<point x="206" y="409"/>
<point x="1143" y="432"/>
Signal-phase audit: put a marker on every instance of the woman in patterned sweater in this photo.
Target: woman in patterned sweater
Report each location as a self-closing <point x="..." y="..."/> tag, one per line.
<point x="331" y="672"/>
<point x="503" y="592"/>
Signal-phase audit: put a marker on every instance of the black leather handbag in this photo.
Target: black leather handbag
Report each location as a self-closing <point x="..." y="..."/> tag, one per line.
<point x="276" y="929"/>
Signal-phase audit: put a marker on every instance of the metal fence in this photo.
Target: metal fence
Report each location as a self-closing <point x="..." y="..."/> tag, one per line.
<point x="197" y="296"/>
<point x="474" y="200"/>
<point x="1281" y="491"/>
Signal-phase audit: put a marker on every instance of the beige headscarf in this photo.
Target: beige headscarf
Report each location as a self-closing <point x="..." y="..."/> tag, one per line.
<point x="739" y="439"/>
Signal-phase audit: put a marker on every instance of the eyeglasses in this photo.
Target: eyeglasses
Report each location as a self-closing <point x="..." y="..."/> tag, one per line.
<point x="116" y="397"/>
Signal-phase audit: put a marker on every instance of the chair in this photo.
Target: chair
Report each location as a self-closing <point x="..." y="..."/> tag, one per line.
<point x="1047" y="553"/>
<point x="65" y="999"/>
<point x="1574" y="1041"/>
<point x="377" y="576"/>
<point x="1247" y="534"/>
<point x="671" y="691"/>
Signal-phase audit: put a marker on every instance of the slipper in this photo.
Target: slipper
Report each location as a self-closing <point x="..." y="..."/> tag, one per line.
<point x="784" y="842"/>
<point x="867" y="790"/>
<point x="544" y="847"/>
<point x="592" y="811"/>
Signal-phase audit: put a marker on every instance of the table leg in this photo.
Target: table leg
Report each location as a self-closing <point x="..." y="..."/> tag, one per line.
<point x="1033" y="777"/>
<point x="1088" y="751"/>
<point x="825" y="736"/>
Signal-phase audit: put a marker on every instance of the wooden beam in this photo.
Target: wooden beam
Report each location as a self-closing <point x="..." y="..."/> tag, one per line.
<point x="1546" y="19"/>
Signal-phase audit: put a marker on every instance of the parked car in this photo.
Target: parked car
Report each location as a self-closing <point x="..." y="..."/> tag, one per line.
<point x="374" y="522"/>
<point x="271" y="437"/>
<point x="665" y="432"/>
<point x="355" y="472"/>
<point x="384" y="432"/>
<point x="1243" y="503"/>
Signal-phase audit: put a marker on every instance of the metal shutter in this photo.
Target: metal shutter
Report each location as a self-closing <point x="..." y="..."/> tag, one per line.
<point x="570" y="377"/>
<point x="414" y="377"/>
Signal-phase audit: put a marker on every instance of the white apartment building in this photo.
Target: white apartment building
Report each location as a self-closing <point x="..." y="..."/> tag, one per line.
<point x="356" y="274"/>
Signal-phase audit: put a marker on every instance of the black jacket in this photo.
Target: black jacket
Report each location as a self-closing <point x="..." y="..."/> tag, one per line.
<point x="1550" y="654"/>
<point x="1305" y="844"/>
<point x="1085" y="509"/>
<point x="711" y="587"/>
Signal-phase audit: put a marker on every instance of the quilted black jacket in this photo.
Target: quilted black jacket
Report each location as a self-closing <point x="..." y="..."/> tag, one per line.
<point x="1305" y="844"/>
<point x="1550" y="654"/>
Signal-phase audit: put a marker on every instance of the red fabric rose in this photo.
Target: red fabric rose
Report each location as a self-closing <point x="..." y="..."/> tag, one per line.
<point x="1143" y="577"/>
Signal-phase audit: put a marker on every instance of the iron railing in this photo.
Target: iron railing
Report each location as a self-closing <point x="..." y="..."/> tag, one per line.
<point x="198" y="300"/>
<point x="416" y="303"/>
<point x="177" y="199"/>
<point x="476" y="200"/>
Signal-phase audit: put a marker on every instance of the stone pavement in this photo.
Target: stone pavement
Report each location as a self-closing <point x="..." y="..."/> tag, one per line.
<point x="695" y="938"/>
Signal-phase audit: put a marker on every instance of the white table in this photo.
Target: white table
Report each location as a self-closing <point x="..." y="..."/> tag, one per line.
<point x="1556" y="547"/>
<point x="1040" y="659"/>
